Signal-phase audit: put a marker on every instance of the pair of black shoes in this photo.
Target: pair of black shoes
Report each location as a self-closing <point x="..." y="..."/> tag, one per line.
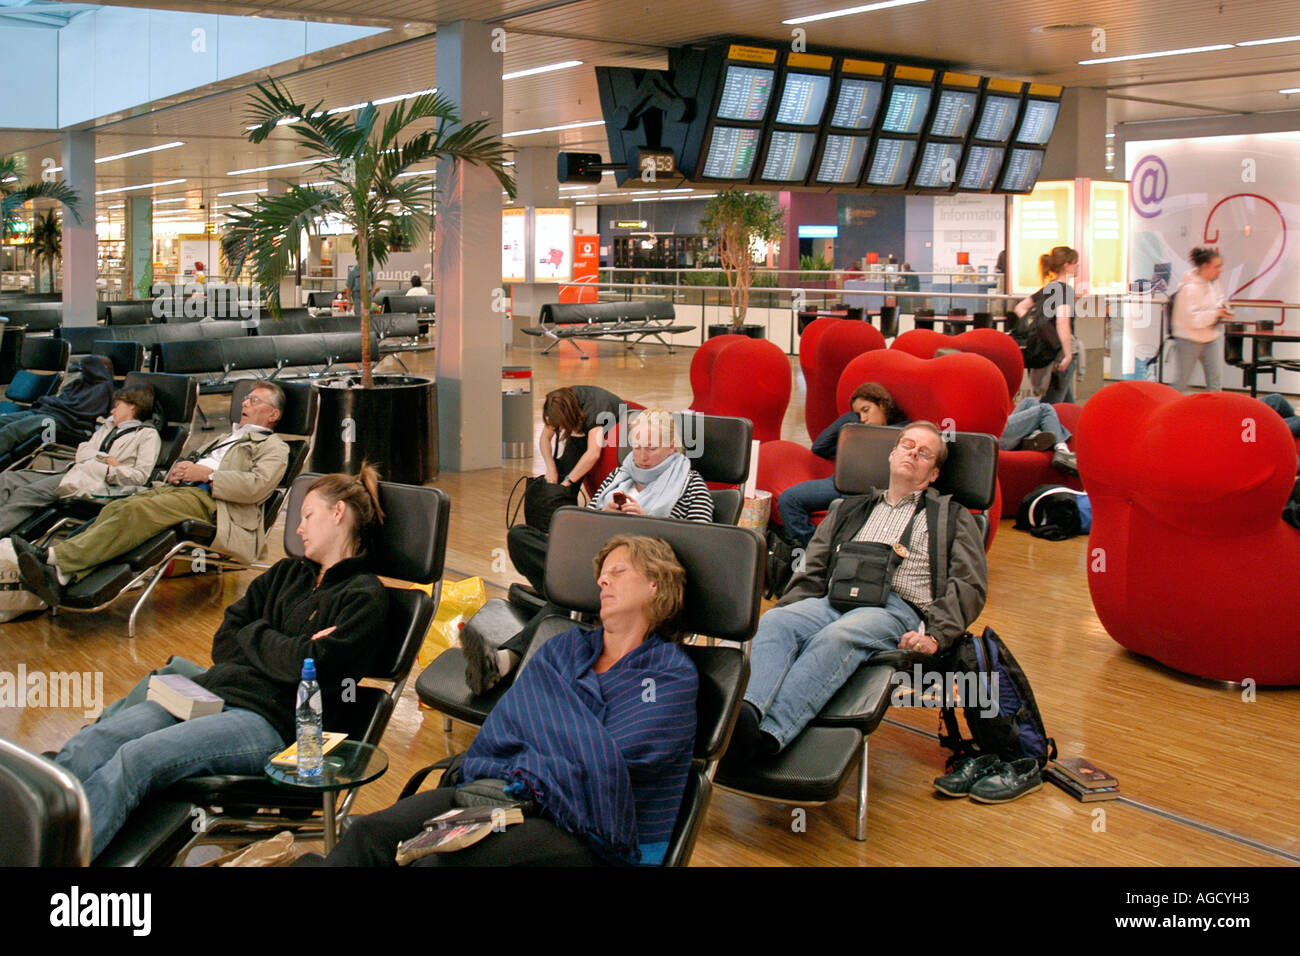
<point x="990" y="779"/>
<point x="37" y="575"/>
<point x="747" y="741"/>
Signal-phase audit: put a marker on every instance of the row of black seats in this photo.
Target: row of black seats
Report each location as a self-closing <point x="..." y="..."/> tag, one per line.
<point x="259" y="353"/>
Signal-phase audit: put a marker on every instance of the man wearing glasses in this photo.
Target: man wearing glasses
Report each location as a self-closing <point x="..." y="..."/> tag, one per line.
<point x="224" y="483"/>
<point x="805" y="649"/>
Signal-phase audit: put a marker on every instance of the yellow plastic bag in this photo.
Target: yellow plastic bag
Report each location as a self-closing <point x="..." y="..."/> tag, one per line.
<point x="460" y="601"/>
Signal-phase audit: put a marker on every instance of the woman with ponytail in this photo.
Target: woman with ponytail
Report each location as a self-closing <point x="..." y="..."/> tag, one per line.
<point x="1200" y="308"/>
<point x="325" y="605"/>
<point x="1053" y="380"/>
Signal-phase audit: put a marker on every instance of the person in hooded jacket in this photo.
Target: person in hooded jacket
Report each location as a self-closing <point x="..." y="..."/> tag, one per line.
<point x="70" y="415"/>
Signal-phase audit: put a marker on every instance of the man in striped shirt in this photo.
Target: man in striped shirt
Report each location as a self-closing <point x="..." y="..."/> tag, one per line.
<point x="805" y="649"/>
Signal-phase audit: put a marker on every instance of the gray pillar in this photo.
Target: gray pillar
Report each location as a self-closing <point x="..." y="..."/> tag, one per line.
<point x="538" y="186"/>
<point x="467" y="247"/>
<point x="288" y="284"/>
<point x="1078" y="147"/>
<point x="138" y="232"/>
<point x="80" y="249"/>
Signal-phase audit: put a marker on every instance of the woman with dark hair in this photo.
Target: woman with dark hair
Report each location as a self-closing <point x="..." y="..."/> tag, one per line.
<point x="576" y="417"/>
<point x="1199" y="307"/>
<point x="870" y="404"/>
<point x="1054" y="381"/>
<point x="599" y="763"/>
<point x="325" y="606"/>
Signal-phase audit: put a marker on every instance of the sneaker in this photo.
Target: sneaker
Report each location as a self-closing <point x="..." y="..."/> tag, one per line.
<point x="1038" y="441"/>
<point x="1010" y="781"/>
<point x="1066" y="461"/>
<point x="481" y="670"/>
<point x="968" y="770"/>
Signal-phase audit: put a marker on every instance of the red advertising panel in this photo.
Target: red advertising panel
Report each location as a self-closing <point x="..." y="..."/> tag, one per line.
<point x="586" y="269"/>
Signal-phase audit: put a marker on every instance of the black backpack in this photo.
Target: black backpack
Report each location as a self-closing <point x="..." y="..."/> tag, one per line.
<point x="1037" y="336"/>
<point x="1054" y="512"/>
<point x="781" y="557"/>
<point x="1003" y="717"/>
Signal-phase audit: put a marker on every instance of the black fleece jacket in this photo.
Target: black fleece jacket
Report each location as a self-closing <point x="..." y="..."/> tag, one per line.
<point x="258" y="651"/>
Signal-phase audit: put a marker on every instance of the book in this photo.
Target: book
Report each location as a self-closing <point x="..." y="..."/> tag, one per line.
<point x="288" y="757"/>
<point x="181" y="697"/>
<point x="455" y="830"/>
<point x="1081" y="793"/>
<point x="1084" y="772"/>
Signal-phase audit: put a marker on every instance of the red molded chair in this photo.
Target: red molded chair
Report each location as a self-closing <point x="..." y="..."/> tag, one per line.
<point x="743" y="378"/>
<point x="808" y="339"/>
<point x="998" y="347"/>
<point x="835" y="348"/>
<point x="1189" y="561"/>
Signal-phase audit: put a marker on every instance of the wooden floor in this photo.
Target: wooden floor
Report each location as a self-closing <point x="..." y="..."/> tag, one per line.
<point x="1208" y="779"/>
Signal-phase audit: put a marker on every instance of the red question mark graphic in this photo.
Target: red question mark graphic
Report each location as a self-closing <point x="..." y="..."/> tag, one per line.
<point x="1215" y="238"/>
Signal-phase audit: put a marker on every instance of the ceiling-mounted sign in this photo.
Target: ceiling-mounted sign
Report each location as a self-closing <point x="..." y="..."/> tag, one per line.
<point x="628" y="223"/>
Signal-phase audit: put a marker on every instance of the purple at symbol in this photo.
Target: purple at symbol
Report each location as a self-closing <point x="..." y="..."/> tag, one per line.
<point x="1150" y="183"/>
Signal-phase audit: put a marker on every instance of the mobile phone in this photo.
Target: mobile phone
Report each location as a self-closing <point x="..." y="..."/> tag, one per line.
<point x="620" y="499"/>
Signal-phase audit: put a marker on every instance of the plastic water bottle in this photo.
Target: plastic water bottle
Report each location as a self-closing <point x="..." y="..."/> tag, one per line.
<point x="308" y="714"/>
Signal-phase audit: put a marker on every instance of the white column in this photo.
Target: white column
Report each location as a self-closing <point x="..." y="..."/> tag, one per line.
<point x="139" y="247"/>
<point x="289" y="283"/>
<point x="467" y="247"/>
<point x="80" y="250"/>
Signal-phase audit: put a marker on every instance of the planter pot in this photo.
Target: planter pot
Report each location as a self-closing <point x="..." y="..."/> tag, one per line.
<point x="394" y="426"/>
<point x="753" y="331"/>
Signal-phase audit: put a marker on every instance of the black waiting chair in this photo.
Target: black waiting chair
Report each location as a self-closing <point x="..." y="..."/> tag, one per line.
<point x="954" y="328"/>
<point x="924" y="319"/>
<point x="26" y="388"/>
<point x="982" y="320"/>
<point x="1234" y="344"/>
<point x="44" y="809"/>
<point x="815" y="765"/>
<point x="724" y="576"/>
<point x="889" y="321"/>
<point x="46" y="355"/>
<point x="412" y="547"/>
<point x="126" y="357"/>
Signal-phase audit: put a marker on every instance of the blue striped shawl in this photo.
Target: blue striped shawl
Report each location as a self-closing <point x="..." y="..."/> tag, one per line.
<point x="607" y="755"/>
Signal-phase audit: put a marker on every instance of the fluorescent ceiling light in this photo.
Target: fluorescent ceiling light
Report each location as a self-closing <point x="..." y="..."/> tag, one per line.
<point x="139" y="152"/>
<point x="263" y="169"/>
<point x="1294" y="89"/>
<point x="1157" y="53"/>
<point x="119" y="205"/>
<point x="163" y="202"/>
<point x="554" y="129"/>
<point x="124" y="189"/>
<point x="241" y="192"/>
<point x="850" y="11"/>
<point x="549" y="68"/>
<point x="1268" y="41"/>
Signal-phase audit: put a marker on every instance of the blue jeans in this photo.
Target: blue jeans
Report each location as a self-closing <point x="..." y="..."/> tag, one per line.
<point x="804" y="652"/>
<point x="1280" y="405"/>
<point x="1031" y="416"/>
<point x="799" y="501"/>
<point x="121" y="759"/>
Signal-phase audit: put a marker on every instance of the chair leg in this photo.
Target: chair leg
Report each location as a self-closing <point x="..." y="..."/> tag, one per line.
<point x="446" y="725"/>
<point x="130" y="624"/>
<point x="861" y="833"/>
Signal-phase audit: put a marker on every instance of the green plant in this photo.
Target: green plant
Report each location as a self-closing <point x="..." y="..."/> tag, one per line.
<point x="47" y="242"/>
<point x="144" y="288"/>
<point x="814" y="264"/>
<point x="14" y="195"/>
<point x="739" y="219"/>
<point x="371" y="185"/>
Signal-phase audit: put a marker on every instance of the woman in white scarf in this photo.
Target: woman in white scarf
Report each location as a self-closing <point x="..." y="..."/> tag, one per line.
<point x="653" y="476"/>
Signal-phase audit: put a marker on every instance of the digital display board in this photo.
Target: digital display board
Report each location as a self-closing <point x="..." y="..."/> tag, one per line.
<point x="938" y="167"/>
<point x="856" y="103"/>
<point x="731" y="153"/>
<point x="906" y="110"/>
<point x="892" y="162"/>
<point x="953" y="115"/>
<point x="788" y="156"/>
<point x="745" y="93"/>
<point x="842" y="159"/>
<point x="803" y="99"/>
<point x="980" y="174"/>
<point x="1022" y="170"/>
<point x="1038" y="122"/>
<point x="997" y="118"/>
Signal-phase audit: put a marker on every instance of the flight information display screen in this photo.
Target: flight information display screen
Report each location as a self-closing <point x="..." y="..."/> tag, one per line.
<point x="892" y="162"/>
<point x="731" y="153"/>
<point x="906" y="110"/>
<point x="842" y="159"/>
<point x="856" y="103"/>
<point x="939" y="162"/>
<point x="953" y="115"/>
<point x="788" y="156"/>
<point x="803" y="98"/>
<point x="1022" y="170"/>
<point x="745" y="93"/>
<point x="981" y="170"/>
<point x="997" y="118"/>
<point x="1038" y="123"/>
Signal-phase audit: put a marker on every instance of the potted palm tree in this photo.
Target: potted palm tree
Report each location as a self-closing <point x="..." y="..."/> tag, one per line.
<point x="737" y="220"/>
<point x="14" y="195"/>
<point x="371" y="173"/>
<point x="47" y="242"/>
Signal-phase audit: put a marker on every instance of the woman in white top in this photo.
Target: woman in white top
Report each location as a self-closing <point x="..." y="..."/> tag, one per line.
<point x="1199" y="307"/>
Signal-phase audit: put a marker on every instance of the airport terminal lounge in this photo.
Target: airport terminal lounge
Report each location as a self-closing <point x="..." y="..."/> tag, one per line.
<point x="573" y="433"/>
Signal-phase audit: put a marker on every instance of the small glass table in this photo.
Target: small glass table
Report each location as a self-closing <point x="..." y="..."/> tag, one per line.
<point x="351" y="764"/>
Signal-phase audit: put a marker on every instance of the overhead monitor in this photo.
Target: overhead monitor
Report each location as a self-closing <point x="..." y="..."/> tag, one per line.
<point x="842" y="159"/>
<point x="891" y="163"/>
<point x="1038" y="122"/>
<point x="746" y="91"/>
<point x="788" y="156"/>
<point x="857" y="103"/>
<point x="938" y="167"/>
<point x="731" y="154"/>
<point x="1021" y="171"/>
<point x="954" y="113"/>
<point x="980" y="173"/>
<point x="803" y="98"/>
<point x="907" y="107"/>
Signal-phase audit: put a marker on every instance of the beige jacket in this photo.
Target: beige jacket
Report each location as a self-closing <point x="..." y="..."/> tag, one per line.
<point x="136" y="451"/>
